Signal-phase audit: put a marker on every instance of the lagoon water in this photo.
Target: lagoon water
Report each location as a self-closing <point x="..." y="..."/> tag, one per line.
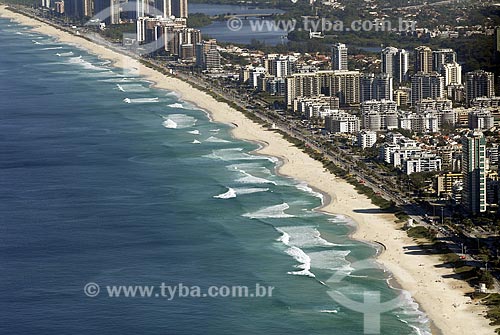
<point x="219" y="30"/>
<point x="106" y="180"/>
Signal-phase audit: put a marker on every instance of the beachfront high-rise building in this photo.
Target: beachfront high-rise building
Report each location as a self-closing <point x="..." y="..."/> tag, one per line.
<point x="207" y="55"/>
<point x="339" y="56"/>
<point x="426" y="85"/>
<point x="366" y="87"/>
<point x="59" y="7"/>
<point x="279" y="66"/>
<point x="479" y="84"/>
<point x="443" y="56"/>
<point x="423" y="59"/>
<point x="452" y="73"/>
<point x="170" y="36"/>
<point x="179" y="8"/>
<point x="108" y="11"/>
<point x="376" y="87"/>
<point x="341" y="84"/>
<point x="383" y="87"/>
<point x="141" y="8"/>
<point x="395" y="63"/>
<point x="474" y="172"/>
<point x="78" y="8"/>
<point x="161" y="8"/>
<point x="164" y="7"/>
<point x="179" y="39"/>
<point x="46" y="3"/>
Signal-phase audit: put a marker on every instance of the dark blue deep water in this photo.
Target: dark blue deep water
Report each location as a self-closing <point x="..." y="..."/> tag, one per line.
<point x="102" y="180"/>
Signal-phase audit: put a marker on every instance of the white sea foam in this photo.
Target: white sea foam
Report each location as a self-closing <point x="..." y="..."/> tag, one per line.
<point x="52" y="48"/>
<point x="331" y="260"/>
<point x="118" y="79"/>
<point x="99" y="74"/>
<point x="250" y="190"/>
<point x="176" y="105"/>
<point x="131" y="87"/>
<point x="82" y="62"/>
<point x="214" y="139"/>
<point x="357" y="276"/>
<point x="329" y="311"/>
<point x="304" y="236"/>
<point x="174" y="94"/>
<point x="411" y="315"/>
<point x="284" y="238"/>
<point x="180" y="120"/>
<point x="35" y="42"/>
<point x="196" y="142"/>
<point x="65" y="54"/>
<point x="231" y="193"/>
<point x="194" y="132"/>
<point x="306" y="188"/>
<point x="305" y="262"/>
<point x="271" y="212"/>
<point x="234" y="154"/>
<point x="140" y="100"/>
<point x="250" y="179"/>
<point x="214" y="130"/>
<point x="169" y="124"/>
<point x="342" y="220"/>
<point x="256" y="168"/>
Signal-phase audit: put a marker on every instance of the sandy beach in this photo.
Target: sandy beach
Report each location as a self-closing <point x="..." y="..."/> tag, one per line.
<point x="442" y="299"/>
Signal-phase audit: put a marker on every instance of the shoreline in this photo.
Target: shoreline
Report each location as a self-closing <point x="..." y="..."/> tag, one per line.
<point x="441" y="299"/>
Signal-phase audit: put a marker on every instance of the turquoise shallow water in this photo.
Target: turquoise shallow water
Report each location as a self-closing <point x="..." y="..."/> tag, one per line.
<point x="103" y="180"/>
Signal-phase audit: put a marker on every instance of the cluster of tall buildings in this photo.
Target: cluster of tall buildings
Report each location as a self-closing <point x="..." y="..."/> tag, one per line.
<point x="161" y="26"/>
<point x="162" y="29"/>
<point x="406" y="79"/>
<point x="170" y="36"/>
<point x="342" y="84"/>
<point x="473" y="186"/>
<point x="114" y="11"/>
<point x="395" y="64"/>
<point x="436" y="75"/>
<point x="376" y="102"/>
<point x="271" y="75"/>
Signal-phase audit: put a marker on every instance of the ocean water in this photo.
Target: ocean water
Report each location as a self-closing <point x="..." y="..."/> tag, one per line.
<point x="106" y="180"/>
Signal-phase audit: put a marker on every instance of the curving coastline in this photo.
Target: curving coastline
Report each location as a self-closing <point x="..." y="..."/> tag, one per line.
<point x="416" y="274"/>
